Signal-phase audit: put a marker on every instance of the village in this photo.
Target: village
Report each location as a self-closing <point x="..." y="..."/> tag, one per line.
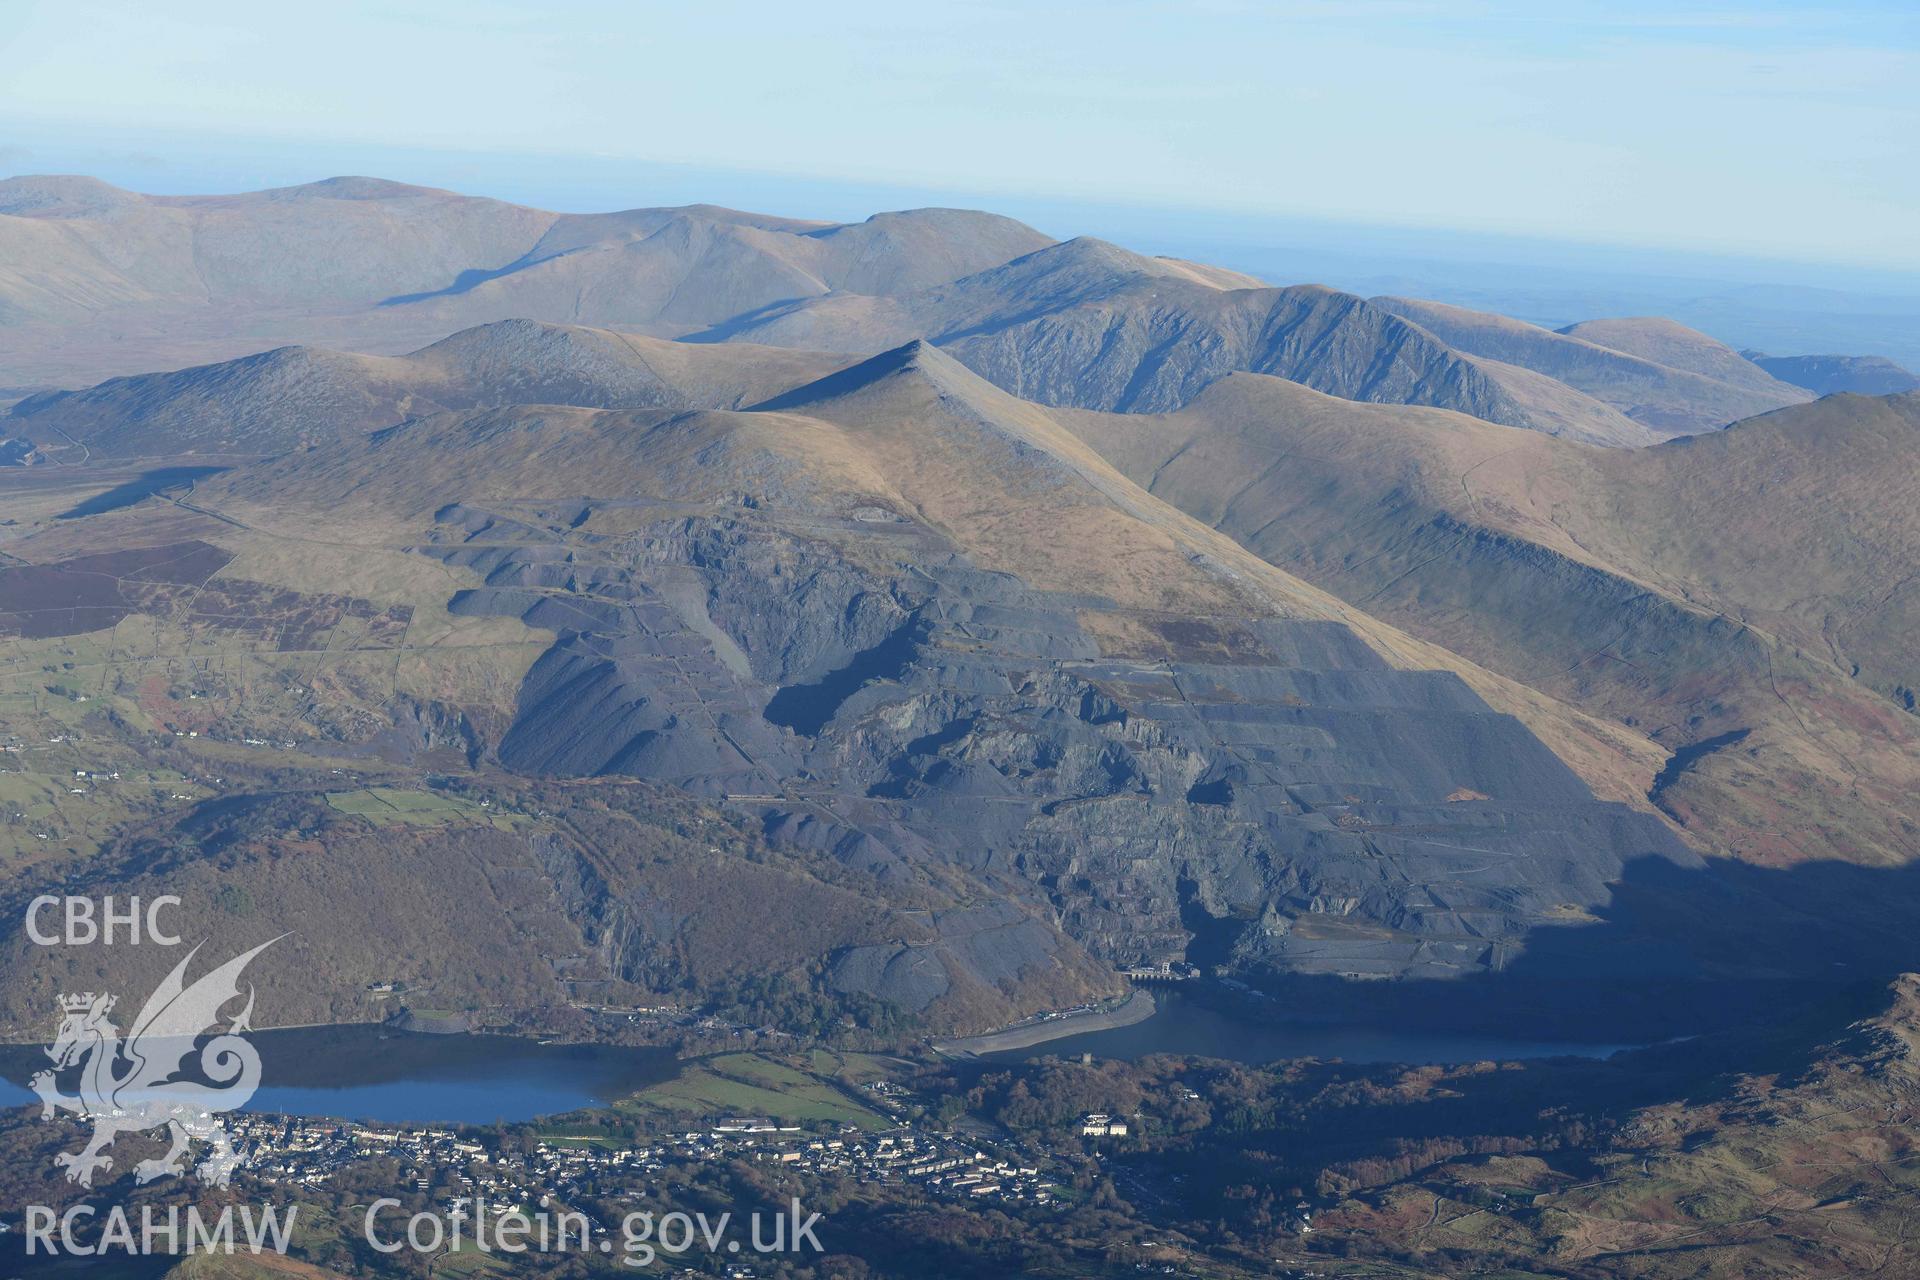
<point x="295" y="1151"/>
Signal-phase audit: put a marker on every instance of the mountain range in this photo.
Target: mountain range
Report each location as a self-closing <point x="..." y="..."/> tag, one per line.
<point x="1031" y="609"/>
<point x="1825" y="375"/>
<point x="96" y="281"/>
<point x="1666" y="377"/>
<point x="291" y="396"/>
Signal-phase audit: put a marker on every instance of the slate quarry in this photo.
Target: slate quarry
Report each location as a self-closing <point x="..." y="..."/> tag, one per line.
<point x="1263" y="794"/>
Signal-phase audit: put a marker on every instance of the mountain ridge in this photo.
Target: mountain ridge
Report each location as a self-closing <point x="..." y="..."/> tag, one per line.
<point x="291" y="397"/>
<point x="1086" y="324"/>
<point x="1667" y="399"/>
<point x="1825" y="375"/>
<point x="211" y="276"/>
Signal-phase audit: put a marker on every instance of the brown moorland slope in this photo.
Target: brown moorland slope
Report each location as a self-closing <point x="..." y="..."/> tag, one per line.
<point x="1803" y="1167"/>
<point x="1710" y="592"/>
<point x="296" y="396"/>
<point x="1670" y="343"/>
<point x="1676" y="401"/>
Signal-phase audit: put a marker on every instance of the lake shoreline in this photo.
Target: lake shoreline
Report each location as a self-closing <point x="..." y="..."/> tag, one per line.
<point x="1187" y="1022"/>
<point x="374" y="1072"/>
<point x="1137" y="1007"/>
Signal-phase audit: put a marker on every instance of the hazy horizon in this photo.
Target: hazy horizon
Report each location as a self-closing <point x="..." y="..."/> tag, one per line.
<point x="216" y="164"/>
<point x="1778" y="305"/>
<point x="1769" y="132"/>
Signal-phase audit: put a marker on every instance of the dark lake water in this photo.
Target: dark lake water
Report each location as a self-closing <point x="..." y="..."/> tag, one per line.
<point x="1181" y="1024"/>
<point x="370" y="1073"/>
<point x="138" y="489"/>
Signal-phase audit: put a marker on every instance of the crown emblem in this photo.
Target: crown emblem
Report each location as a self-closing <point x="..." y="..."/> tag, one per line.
<point x="133" y="1084"/>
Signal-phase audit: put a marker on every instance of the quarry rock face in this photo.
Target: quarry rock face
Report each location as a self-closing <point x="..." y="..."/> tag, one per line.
<point x="1258" y="793"/>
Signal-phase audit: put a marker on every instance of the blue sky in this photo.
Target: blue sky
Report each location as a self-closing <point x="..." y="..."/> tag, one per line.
<point x="1782" y="131"/>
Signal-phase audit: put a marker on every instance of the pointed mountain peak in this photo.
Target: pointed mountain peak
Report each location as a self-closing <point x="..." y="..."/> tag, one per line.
<point x="916" y="358"/>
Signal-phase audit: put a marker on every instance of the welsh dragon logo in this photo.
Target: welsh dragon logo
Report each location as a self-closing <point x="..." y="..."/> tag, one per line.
<point x="132" y="1085"/>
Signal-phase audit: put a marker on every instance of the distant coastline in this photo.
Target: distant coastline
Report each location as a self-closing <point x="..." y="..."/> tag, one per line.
<point x="1137" y="1007"/>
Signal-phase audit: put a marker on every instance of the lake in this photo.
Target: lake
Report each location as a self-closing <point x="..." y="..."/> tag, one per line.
<point x="1182" y="1024"/>
<point x="373" y="1073"/>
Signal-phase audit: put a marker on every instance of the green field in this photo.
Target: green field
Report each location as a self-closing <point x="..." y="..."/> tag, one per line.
<point x="752" y="1084"/>
<point x="603" y="1141"/>
<point x="415" y="808"/>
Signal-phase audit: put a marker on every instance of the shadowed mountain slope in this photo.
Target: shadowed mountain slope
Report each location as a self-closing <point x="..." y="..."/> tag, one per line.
<point x="1090" y="325"/>
<point x="1828" y="375"/>
<point x="1707" y="592"/>
<point x="1770" y="1152"/>
<point x="1670" y="400"/>
<point x="303" y="395"/>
